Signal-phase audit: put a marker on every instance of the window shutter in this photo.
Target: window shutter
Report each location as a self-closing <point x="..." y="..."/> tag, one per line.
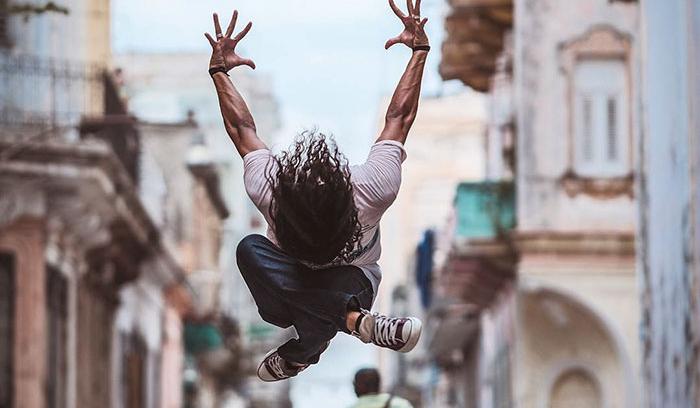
<point x="601" y="125"/>
<point x="587" y="118"/>
<point x="612" y="129"/>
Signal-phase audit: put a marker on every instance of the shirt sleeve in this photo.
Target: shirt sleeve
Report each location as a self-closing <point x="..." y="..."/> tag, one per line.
<point x="256" y="167"/>
<point x="378" y="180"/>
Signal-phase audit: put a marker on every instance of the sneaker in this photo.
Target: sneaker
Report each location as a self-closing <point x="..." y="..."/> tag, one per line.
<point x="275" y="368"/>
<point x="396" y="333"/>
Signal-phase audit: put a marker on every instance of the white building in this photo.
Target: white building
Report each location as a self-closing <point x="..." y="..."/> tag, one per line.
<point x="565" y="80"/>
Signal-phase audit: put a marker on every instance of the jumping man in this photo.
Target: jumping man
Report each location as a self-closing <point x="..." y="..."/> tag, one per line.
<point x="317" y="268"/>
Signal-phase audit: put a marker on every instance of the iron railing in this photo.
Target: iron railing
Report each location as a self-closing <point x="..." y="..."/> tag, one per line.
<point x="48" y="93"/>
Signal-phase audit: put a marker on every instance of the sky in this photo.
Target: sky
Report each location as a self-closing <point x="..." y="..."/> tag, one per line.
<point x="329" y="70"/>
<point x="326" y="58"/>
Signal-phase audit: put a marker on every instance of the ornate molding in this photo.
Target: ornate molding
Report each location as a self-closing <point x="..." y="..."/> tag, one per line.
<point x="600" y="188"/>
<point x="89" y="226"/>
<point x="601" y="41"/>
<point x="20" y="200"/>
<point x="577" y="243"/>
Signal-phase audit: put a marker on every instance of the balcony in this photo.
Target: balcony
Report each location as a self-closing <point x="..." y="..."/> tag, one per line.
<point x="64" y="102"/>
<point x="482" y="259"/>
<point x="476" y="31"/>
<point x="39" y="93"/>
<point x="479" y="267"/>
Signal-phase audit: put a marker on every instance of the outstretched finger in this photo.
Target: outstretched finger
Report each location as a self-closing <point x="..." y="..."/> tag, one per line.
<point x="211" y="40"/>
<point x="217" y="26"/>
<point x="424" y="22"/>
<point x="409" y="6"/>
<point x="396" y="9"/>
<point x="416" y="8"/>
<point x="243" y="33"/>
<point x="392" y="42"/>
<point x="232" y="24"/>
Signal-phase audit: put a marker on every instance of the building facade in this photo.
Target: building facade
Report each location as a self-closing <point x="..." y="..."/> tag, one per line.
<point x="94" y="288"/>
<point x="563" y="83"/>
<point x="164" y="110"/>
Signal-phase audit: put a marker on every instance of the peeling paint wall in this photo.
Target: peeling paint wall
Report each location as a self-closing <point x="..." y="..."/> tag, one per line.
<point x="669" y="244"/>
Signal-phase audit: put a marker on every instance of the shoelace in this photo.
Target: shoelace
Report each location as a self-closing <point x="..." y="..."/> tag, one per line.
<point x="275" y="365"/>
<point x="385" y="330"/>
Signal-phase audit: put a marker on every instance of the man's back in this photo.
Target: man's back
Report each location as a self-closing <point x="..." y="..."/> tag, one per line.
<point x="379" y="401"/>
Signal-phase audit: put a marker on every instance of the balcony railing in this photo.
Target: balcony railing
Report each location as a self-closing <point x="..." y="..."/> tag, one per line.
<point x="48" y="93"/>
<point x="42" y="97"/>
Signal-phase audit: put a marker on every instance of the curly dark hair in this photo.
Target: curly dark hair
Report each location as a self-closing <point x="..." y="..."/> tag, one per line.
<point x="313" y="210"/>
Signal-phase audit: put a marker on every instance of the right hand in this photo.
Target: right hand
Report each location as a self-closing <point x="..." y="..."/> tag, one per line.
<point x="224" y="47"/>
<point x="413" y="34"/>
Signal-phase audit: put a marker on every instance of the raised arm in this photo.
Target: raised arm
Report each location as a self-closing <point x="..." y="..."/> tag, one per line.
<point x="238" y="121"/>
<point x="404" y="104"/>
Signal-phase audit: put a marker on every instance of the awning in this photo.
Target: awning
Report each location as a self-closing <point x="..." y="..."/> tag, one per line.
<point x="202" y="337"/>
<point x="475" y="38"/>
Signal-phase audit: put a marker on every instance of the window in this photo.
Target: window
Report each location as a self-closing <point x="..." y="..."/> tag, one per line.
<point x="56" y="328"/>
<point x="7" y="302"/>
<point x="601" y="118"/>
<point x="133" y="370"/>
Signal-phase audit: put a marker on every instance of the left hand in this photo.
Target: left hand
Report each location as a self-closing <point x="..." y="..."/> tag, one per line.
<point x="413" y="34"/>
<point x="224" y="48"/>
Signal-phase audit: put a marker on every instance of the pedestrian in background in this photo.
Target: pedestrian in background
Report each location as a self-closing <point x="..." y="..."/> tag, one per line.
<point x="367" y="384"/>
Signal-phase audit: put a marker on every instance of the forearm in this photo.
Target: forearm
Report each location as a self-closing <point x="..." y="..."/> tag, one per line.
<point x="404" y="104"/>
<point x="238" y="121"/>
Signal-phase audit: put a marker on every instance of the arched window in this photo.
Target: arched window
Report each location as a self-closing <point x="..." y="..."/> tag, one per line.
<point x="575" y="388"/>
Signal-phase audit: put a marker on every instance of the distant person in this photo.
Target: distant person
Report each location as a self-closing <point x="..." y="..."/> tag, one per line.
<point x="367" y="384"/>
<point x="317" y="268"/>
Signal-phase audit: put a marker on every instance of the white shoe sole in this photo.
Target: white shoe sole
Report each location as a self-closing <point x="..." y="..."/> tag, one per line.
<point x="416" y="330"/>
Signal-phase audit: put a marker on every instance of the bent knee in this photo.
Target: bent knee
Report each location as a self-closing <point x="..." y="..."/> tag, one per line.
<point x="246" y="249"/>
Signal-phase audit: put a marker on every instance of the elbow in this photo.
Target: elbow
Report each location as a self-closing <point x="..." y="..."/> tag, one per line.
<point x="402" y="121"/>
<point x="408" y="121"/>
<point x="240" y="129"/>
<point x="247" y="129"/>
<point x="404" y="118"/>
<point x="247" y="125"/>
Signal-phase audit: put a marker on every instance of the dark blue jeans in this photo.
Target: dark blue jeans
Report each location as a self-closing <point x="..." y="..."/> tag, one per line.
<point x="288" y="293"/>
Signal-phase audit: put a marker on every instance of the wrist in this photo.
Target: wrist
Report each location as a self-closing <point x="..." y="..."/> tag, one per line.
<point x="218" y="69"/>
<point x="425" y="48"/>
